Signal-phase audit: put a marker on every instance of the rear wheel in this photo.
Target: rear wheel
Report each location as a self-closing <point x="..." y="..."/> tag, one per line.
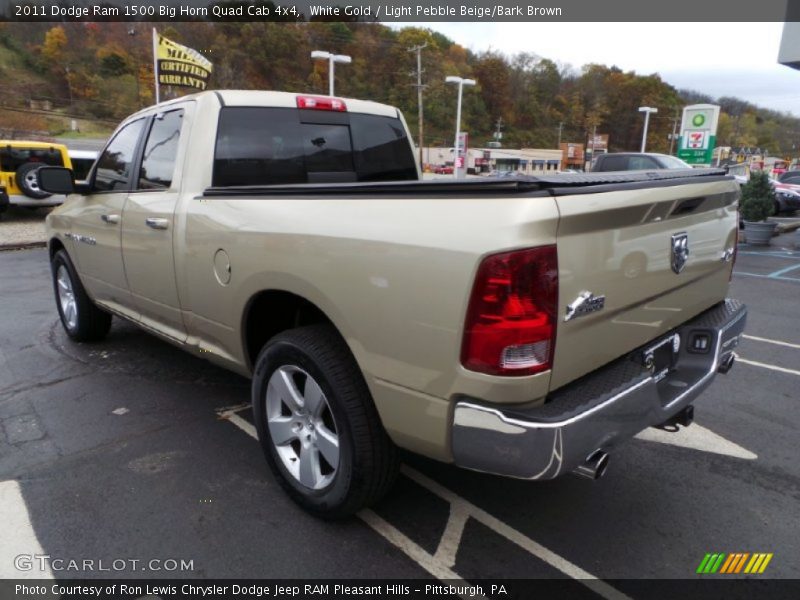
<point x="82" y="319"/>
<point x="317" y="424"/>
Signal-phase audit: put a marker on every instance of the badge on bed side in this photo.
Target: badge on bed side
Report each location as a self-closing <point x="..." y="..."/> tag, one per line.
<point x="585" y="303"/>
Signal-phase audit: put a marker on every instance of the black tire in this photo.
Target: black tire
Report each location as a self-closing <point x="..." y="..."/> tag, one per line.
<point x="27" y="183"/>
<point x="89" y="323"/>
<point x="368" y="461"/>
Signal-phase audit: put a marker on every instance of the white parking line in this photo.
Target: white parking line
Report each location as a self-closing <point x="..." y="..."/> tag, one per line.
<point x="545" y="554"/>
<point x="241" y="423"/>
<point x="451" y="538"/>
<point x="430" y="563"/>
<point x="766" y="366"/>
<point x="439" y="564"/>
<point x="18" y="537"/>
<point x="769" y="341"/>
<point x="696" y="438"/>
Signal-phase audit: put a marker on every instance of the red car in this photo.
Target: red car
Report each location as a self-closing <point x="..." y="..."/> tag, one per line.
<point x="444" y="170"/>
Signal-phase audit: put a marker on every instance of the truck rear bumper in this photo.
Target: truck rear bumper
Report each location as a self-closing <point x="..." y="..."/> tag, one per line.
<point x="598" y="411"/>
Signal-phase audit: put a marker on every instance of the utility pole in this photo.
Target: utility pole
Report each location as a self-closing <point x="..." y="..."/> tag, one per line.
<point x="132" y="32"/>
<point x="560" y="127"/>
<point x="674" y="131"/>
<point x="420" y="87"/>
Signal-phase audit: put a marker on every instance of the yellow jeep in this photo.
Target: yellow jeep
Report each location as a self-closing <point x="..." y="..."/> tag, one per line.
<point x="19" y="161"/>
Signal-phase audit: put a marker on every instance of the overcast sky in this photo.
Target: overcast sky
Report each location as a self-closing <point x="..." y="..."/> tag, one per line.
<point x="718" y="59"/>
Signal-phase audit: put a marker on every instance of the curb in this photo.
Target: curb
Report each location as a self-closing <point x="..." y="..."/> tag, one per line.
<point x="22" y="246"/>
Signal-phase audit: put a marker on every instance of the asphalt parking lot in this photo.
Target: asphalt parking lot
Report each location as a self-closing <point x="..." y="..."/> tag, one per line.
<point x="130" y="449"/>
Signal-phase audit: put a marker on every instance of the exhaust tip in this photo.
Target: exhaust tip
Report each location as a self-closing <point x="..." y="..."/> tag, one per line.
<point x="727" y="363"/>
<point x="594" y="467"/>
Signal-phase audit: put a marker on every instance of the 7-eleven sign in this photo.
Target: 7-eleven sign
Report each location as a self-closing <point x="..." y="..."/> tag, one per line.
<point x="696" y="140"/>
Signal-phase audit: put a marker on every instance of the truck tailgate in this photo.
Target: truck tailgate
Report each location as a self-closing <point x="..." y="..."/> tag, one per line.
<point x="618" y="243"/>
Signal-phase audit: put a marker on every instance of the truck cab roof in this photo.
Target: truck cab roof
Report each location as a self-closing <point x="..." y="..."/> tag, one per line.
<point x="268" y="98"/>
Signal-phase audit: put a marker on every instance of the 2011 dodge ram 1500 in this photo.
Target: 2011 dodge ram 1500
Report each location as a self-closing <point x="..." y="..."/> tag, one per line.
<point x="522" y="327"/>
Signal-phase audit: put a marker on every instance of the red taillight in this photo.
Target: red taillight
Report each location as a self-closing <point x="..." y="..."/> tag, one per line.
<point x="511" y="319"/>
<point x="321" y="103"/>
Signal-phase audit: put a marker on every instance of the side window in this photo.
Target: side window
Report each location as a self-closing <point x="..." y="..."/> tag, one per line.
<point x="615" y="163"/>
<point x="638" y="163"/>
<point x="158" y="161"/>
<point x="115" y="164"/>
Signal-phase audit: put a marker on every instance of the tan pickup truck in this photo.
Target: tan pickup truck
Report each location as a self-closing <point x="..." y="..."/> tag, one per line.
<point x="517" y="326"/>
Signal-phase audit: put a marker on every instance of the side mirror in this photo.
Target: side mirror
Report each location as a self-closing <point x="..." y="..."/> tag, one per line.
<point x="56" y="180"/>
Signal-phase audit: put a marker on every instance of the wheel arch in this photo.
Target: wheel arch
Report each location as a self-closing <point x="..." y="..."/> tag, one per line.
<point x="54" y="245"/>
<point x="269" y="312"/>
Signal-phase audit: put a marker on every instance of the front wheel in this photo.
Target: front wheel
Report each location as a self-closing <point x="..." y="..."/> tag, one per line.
<point x="317" y="424"/>
<point x="82" y="319"/>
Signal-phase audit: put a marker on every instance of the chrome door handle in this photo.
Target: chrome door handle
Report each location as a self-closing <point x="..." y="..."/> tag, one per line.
<point x="110" y="219"/>
<point x="156" y="223"/>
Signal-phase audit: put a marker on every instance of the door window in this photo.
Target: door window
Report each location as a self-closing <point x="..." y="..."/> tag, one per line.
<point x="160" y="151"/>
<point x="114" y="167"/>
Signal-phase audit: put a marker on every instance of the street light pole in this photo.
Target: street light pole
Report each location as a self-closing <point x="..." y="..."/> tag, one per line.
<point x="646" y="110"/>
<point x="461" y="83"/>
<point x="331" y="58"/>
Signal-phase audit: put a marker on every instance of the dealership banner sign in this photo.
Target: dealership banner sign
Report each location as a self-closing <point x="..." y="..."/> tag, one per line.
<point x="179" y="65"/>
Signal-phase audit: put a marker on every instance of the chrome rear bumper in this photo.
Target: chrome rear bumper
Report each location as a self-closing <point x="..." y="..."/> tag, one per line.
<point x="599" y="410"/>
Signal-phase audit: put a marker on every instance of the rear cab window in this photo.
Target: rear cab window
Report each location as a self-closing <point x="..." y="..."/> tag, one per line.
<point x="12" y="158"/>
<point x="271" y="146"/>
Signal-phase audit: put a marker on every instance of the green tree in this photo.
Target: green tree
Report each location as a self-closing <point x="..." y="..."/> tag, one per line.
<point x="758" y="198"/>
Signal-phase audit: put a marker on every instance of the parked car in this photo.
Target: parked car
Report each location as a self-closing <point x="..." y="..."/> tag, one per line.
<point x="82" y="161"/>
<point x="444" y="170"/>
<point x="19" y="161"/>
<point x="790" y="177"/>
<point x="636" y="161"/>
<point x="787" y="197"/>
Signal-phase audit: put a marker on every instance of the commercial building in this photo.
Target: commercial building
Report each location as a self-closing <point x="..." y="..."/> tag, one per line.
<point x="524" y="161"/>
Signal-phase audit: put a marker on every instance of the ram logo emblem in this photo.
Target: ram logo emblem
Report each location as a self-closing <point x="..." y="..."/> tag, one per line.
<point x="680" y="251"/>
